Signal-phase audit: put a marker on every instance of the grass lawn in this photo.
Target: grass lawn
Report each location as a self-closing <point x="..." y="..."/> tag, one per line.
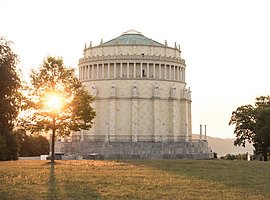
<point x="137" y="179"/>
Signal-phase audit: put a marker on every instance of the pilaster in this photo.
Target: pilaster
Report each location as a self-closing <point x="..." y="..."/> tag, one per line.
<point x="156" y="114"/>
<point x="175" y="127"/>
<point x="112" y="115"/>
<point x="134" y="116"/>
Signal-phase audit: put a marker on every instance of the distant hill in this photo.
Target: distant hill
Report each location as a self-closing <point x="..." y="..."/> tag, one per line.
<point x="225" y="146"/>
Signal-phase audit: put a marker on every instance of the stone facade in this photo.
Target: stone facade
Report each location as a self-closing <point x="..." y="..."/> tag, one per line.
<point x="141" y="98"/>
<point x="141" y="150"/>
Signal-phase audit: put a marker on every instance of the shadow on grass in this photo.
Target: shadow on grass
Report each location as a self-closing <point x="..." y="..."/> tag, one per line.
<point x="73" y="186"/>
<point x="80" y="187"/>
<point x="52" y="193"/>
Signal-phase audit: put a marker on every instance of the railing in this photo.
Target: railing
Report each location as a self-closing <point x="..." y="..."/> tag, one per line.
<point x="130" y="138"/>
<point x="132" y="57"/>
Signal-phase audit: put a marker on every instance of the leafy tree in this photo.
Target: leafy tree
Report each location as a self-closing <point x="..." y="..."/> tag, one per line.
<point x="57" y="101"/>
<point x="3" y="148"/>
<point x="32" y="145"/>
<point x="10" y="98"/>
<point x="252" y="124"/>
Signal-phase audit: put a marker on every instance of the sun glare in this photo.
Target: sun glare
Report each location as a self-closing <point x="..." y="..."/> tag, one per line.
<point x="54" y="102"/>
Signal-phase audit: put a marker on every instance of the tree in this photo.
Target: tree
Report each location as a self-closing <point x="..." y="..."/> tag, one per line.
<point x="32" y="144"/>
<point x="57" y="101"/>
<point x="3" y="148"/>
<point x="10" y="98"/>
<point x="252" y="124"/>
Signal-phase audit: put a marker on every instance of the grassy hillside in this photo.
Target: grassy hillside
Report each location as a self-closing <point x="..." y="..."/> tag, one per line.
<point x="142" y="179"/>
<point x="225" y="146"/>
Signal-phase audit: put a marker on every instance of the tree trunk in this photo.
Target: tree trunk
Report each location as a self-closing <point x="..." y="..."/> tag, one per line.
<point x="53" y="144"/>
<point x="53" y="141"/>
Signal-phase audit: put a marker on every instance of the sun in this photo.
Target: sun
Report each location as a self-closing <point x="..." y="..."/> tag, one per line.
<point x="54" y="102"/>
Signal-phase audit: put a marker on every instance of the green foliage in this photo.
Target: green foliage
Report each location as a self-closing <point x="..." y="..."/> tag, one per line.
<point x="76" y="113"/>
<point x="252" y="124"/>
<point x="3" y="148"/>
<point x="32" y="145"/>
<point x="10" y="100"/>
<point x="234" y="157"/>
<point x="244" y="120"/>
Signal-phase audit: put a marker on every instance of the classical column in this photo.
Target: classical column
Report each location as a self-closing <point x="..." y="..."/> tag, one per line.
<point x="97" y="71"/>
<point x="93" y="67"/>
<point x="90" y="72"/>
<point x="87" y="72"/>
<point x="173" y="72"/>
<point x="114" y="70"/>
<point x="141" y="70"/>
<point x="170" y="71"/>
<point x="134" y="69"/>
<point x="109" y="70"/>
<point x="181" y="73"/>
<point x="102" y="72"/>
<point x="184" y="74"/>
<point x="81" y="73"/>
<point x="121" y="70"/>
<point x="200" y="132"/>
<point x="147" y="70"/>
<point x="159" y="66"/>
<point x="154" y="70"/>
<point x="165" y="71"/>
<point x="128" y="70"/>
<point x="178" y="71"/>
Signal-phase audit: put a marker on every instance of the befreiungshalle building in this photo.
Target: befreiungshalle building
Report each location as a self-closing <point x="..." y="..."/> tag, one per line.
<point x="142" y="101"/>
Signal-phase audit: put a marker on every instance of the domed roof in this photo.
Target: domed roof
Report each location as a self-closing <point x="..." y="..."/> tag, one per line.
<point x="132" y="37"/>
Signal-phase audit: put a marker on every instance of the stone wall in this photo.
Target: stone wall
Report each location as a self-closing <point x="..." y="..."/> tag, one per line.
<point x="132" y="50"/>
<point x="145" y="116"/>
<point x="141" y="150"/>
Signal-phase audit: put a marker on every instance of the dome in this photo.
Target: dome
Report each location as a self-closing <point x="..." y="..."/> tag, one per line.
<point x="132" y="37"/>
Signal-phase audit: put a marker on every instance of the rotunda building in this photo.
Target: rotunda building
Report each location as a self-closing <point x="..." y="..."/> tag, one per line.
<point x="142" y="101"/>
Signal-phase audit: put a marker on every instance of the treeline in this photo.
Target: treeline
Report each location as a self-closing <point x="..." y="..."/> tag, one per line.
<point x="235" y="157"/>
<point x="22" y="145"/>
<point x="32" y="145"/>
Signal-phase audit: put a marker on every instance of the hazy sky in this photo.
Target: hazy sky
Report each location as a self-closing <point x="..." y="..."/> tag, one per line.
<point x="226" y="43"/>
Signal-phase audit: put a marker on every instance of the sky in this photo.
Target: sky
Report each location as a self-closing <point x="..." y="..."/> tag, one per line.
<point x="226" y="43"/>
